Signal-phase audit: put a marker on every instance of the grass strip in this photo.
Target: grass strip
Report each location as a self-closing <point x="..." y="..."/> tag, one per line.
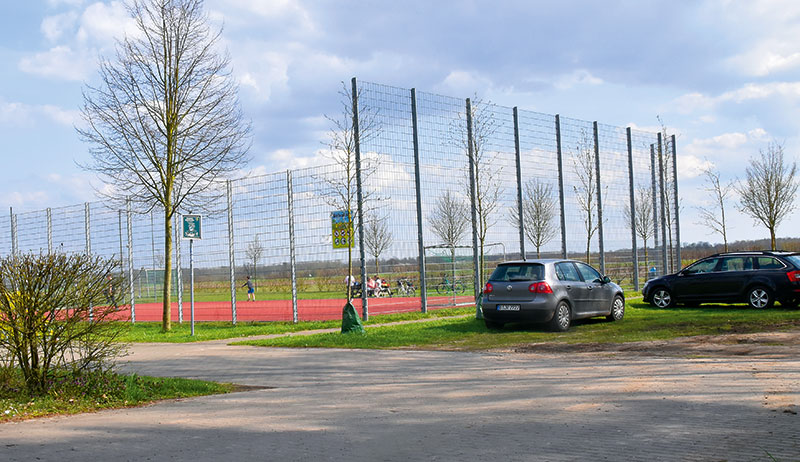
<point x="90" y="392"/>
<point x="150" y="332"/>
<point x="641" y="323"/>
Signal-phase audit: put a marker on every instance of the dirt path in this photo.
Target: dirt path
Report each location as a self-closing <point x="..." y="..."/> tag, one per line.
<point x="767" y="344"/>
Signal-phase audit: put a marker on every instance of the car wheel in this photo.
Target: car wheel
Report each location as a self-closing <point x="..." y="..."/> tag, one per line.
<point x="759" y="297"/>
<point x="492" y="324"/>
<point x="617" y="309"/>
<point x="662" y="298"/>
<point x="561" y="318"/>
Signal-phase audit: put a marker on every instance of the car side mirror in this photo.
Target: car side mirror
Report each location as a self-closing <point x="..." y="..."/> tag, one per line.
<point x="606" y="279"/>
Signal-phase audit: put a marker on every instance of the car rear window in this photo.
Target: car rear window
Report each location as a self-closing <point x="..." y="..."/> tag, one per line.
<point x="793" y="259"/>
<point x="519" y="272"/>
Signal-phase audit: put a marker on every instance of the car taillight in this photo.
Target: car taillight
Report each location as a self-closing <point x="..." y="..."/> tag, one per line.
<point x="793" y="276"/>
<point x="489" y="288"/>
<point x="540" y="288"/>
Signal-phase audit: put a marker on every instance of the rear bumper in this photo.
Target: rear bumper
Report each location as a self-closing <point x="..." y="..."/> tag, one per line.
<point x="530" y="311"/>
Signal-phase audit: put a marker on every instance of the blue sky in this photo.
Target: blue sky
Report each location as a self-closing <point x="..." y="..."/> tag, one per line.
<point x="723" y="75"/>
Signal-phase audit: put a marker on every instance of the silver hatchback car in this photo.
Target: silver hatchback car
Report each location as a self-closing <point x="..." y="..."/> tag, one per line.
<point x="552" y="291"/>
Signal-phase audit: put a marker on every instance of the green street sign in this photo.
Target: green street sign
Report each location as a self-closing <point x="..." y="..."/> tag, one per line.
<point x="192" y="227"/>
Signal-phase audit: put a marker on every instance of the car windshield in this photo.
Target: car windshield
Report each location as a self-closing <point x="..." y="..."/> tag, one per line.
<point x="519" y="272"/>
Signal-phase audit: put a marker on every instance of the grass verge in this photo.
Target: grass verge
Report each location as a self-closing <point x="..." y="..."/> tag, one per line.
<point x="93" y="391"/>
<point x="641" y="323"/>
<point x="150" y="332"/>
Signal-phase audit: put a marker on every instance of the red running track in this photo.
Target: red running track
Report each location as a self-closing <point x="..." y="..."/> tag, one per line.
<point x="281" y="310"/>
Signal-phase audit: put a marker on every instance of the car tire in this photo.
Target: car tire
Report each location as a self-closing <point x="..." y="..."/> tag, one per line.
<point x="662" y="298"/>
<point x="617" y="309"/>
<point x="561" y="318"/>
<point x="494" y="325"/>
<point x="760" y="297"/>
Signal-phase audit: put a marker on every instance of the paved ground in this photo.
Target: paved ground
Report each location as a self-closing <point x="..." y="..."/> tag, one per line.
<point x="441" y="406"/>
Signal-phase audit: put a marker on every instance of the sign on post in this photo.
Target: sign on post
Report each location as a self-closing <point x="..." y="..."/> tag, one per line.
<point x="341" y="230"/>
<point x="192" y="227"/>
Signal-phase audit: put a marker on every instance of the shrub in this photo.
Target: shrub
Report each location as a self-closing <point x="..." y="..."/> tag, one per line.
<point x="59" y="315"/>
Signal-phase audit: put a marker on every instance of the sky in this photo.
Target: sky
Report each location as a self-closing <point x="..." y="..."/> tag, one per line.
<point x="723" y="75"/>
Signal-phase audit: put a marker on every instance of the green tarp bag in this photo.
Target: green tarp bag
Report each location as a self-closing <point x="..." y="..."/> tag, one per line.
<point x="351" y="322"/>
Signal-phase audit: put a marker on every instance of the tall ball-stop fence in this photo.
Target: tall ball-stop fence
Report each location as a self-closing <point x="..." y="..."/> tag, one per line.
<point x="488" y="162"/>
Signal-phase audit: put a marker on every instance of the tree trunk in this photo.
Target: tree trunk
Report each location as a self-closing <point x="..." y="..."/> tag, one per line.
<point x="772" y="238"/>
<point x="166" y="319"/>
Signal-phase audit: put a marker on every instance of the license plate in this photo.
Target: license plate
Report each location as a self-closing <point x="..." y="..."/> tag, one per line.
<point x="507" y="307"/>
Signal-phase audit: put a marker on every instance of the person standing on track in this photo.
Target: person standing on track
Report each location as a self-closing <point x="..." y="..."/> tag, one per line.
<point x="251" y="290"/>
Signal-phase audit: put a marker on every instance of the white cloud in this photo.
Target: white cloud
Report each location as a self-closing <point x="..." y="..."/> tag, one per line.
<point x="264" y="74"/>
<point x="576" y="78"/>
<point x="288" y="12"/>
<point x="17" y="114"/>
<point x="691" y="166"/>
<point x="692" y="102"/>
<point x="54" y="27"/>
<point x="61" y="62"/>
<point x="26" y="199"/>
<point x="752" y="91"/>
<point x="461" y="82"/>
<point x="56" y="3"/>
<point x="101" y="23"/>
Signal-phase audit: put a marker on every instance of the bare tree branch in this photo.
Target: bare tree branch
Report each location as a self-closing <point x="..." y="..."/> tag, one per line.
<point x="713" y="216"/>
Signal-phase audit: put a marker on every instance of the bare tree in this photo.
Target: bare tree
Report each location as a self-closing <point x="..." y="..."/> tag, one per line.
<point x="377" y="236"/>
<point x="254" y="252"/>
<point x="583" y="164"/>
<point x="341" y="188"/>
<point x="449" y="221"/>
<point x="643" y="223"/>
<point x="713" y="216"/>
<point x="538" y="211"/>
<point x="487" y="173"/>
<point x="767" y="193"/>
<point x="165" y="123"/>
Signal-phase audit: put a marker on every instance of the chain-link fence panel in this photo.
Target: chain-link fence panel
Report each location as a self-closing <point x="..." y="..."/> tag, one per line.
<point x="296" y="233"/>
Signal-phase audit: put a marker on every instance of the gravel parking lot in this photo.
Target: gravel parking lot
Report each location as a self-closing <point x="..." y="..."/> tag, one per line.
<point x="530" y="404"/>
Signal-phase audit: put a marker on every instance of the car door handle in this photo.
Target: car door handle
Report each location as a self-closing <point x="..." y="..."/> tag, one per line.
<point x="590" y="287"/>
<point x="569" y="287"/>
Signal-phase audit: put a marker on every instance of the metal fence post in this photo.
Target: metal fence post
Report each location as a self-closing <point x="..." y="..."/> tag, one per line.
<point x="121" y="254"/>
<point x="178" y="226"/>
<point x="13" y="222"/>
<point x="634" y="249"/>
<point x="676" y="207"/>
<point x="232" y="261"/>
<point x="654" y="191"/>
<point x="600" y="239"/>
<point x="360" y="199"/>
<point x="130" y="260"/>
<point x="292" y="265"/>
<point x="50" y="231"/>
<point x="561" y="188"/>
<point x="476" y="262"/>
<point x="662" y="197"/>
<point x="87" y="225"/>
<point x="423" y="285"/>
<point x="521" y="223"/>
